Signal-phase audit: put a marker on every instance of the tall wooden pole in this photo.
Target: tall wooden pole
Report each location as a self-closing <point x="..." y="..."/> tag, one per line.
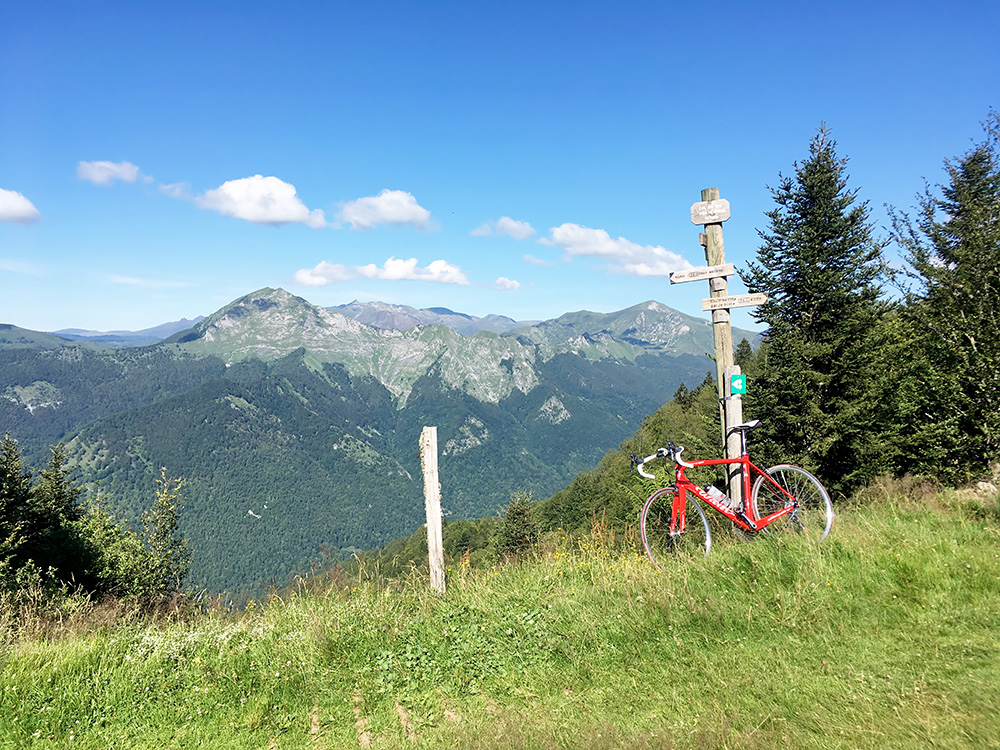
<point x="715" y="255"/>
<point x="730" y="411"/>
<point x="710" y="213"/>
<point x="432" y="502"/>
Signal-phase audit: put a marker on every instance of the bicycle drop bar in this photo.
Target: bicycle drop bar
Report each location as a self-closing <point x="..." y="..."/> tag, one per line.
<point x="643" y="461"/>
<point x="673" y="452"/>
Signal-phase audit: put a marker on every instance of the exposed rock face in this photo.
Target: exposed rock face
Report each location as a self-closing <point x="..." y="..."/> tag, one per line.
<point x="272" y="323"/>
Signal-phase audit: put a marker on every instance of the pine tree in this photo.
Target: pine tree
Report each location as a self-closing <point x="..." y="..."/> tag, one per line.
<point x="744" y="356"/>
<point x="683" y="396"/>
<point x="171" y="559"/>
<point x="819" y="265"/>
<point x="54" y="502"/>
<point x="953" y="245"/>
<point x="518" y="530"/>
<point x="16" y="520"/>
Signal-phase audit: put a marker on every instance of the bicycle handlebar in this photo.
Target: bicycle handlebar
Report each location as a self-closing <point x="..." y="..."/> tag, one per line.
<point x="673" y="452"/>
<point x="640" y="464"/>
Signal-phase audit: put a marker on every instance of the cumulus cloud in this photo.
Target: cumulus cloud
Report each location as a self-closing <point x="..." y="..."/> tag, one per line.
<point x="388" y="207"/>
<point x="507" y="284"/>
<point x="106" y="172"/>
<point x="16" y="208"/>
<point x="394" y="269"/>
<point x="261" y="200"/>
<point x="505" y="226"/>
<point x="623" y="256"/>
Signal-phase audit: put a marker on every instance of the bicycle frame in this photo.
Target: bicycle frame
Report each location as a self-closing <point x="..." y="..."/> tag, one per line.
<point x="740" y="517"/>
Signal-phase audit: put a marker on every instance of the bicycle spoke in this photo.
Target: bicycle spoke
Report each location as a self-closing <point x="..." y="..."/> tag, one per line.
<point x="784" y="485"/>
<point x="669" y="530"/>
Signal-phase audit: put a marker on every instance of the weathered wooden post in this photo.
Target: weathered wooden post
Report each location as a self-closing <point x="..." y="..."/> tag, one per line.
<point x="711" y="212"/>
<point x="432" y="503"/>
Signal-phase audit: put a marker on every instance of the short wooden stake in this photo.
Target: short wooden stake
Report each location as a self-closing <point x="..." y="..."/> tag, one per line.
<point x="733" y="404"/>
<point x="432" y="502"/>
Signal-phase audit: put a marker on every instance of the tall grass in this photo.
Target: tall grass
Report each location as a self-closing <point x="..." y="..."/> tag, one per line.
<point x="883" y="636"/>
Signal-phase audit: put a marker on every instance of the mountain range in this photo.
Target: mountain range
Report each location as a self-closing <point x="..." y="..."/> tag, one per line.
<point x="295" y="427"/>
<point x="127" y="338"/>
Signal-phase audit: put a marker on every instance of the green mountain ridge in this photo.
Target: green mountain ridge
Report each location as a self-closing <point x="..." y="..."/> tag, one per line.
<point x="296" y="428"/>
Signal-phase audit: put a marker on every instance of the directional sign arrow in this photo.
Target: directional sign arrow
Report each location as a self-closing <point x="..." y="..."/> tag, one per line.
<point x="739" y="300"/>
<point x="702" y="272"/>
<point x="710" y="212"/>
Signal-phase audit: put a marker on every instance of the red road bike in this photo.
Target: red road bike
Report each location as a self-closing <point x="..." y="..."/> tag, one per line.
<point x="783" y="498"/>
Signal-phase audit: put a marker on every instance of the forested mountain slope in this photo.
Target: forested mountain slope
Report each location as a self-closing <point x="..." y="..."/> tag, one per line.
<point x="296" y="428"/>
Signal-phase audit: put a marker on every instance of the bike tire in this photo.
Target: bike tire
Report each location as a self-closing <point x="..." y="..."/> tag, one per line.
<point x="657" y="538"/>
<point x="814" y="516"/>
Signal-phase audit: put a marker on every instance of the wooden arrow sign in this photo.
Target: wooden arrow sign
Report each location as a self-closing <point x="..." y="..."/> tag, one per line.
<point x="739" y="300"/>
<point x="702" y="272"/>
<point x="710" y="212"/>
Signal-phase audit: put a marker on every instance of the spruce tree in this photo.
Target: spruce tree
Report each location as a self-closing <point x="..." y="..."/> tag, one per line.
<point x="170" y="559"/>
<point x="518" y="530"/>
<point x="54" y="503"/>
<point x="819" y="264"/>
<point x="16" y="518"/>
<point x="952" y="425"/>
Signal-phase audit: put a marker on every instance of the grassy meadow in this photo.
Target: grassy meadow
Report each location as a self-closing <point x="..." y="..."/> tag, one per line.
<point x="884" y="636"/>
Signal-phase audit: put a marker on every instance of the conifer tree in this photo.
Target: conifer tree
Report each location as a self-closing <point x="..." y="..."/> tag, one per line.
<point x="170" y="558"/>
<point x="518" y="530"/>
<point x="55" y="508"/>
<point x="16" y="521"/>
<point x="744" y="356"/>
<point x="952" y="425"/>
<point x="819" y="264"/>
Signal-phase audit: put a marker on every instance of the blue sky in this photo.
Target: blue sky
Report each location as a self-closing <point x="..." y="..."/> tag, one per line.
<point x="158" y="160"/>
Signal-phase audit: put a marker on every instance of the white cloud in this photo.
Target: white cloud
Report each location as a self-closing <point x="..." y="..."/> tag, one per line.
<point x="507" y="284"/>
<point x="388" y="207"/>
<point x="625" y="257"/>
<point x="147" y="283"/>
<point x="106" y="172"/>
<point x="16" y="208"/>
<point x="179" y="190"/>
<point x="394" y="269"/>
<point x="533" y="261"/>
<point x="519" y="230"/>
<point x="261" y="200"/>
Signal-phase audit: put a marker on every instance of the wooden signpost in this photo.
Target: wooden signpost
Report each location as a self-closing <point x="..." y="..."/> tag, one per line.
<point x="711" y="211"/>
<point x="432" y="502"/>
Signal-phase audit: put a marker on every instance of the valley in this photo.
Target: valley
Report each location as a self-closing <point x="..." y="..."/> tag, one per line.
<point x="295" y="427"/>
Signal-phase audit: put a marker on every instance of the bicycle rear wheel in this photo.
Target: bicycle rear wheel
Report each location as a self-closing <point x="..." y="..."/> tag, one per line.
<point x="776" y="490"/>
<point x="662" y="536"/>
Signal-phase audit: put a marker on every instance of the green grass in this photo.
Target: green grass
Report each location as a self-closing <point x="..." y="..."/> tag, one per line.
<point x="883" y="636"/>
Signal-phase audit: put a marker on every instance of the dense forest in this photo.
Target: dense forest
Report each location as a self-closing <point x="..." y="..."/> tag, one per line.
<point x="863" y="370"/>
<point x="289" y="465"/>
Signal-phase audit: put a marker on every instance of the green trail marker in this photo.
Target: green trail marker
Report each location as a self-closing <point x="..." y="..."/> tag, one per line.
<point x="738" y="385"/>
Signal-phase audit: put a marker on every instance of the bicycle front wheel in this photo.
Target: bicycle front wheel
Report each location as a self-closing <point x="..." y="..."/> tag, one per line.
<point x="668" y="530"/>
<point x="782" y="485"/>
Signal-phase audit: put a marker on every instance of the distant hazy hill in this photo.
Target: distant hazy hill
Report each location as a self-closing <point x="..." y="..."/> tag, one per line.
<point x="402" y="317"/>
<point x="295" y="427"/>
<point x="651" y="327"/>
<point x="12" y="337"/>
<point x="144" y="337"/>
